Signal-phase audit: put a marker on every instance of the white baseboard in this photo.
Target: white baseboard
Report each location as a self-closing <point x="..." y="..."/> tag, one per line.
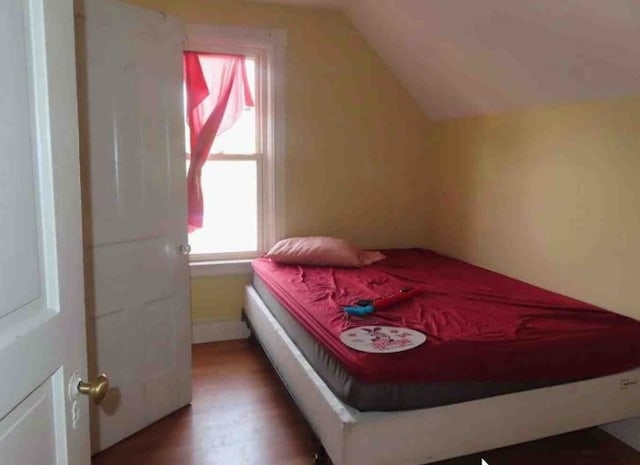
<point x="628" y="431"/>
<point x="212" y="331"/>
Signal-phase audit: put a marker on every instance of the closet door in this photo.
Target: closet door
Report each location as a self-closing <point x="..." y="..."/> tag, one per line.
<point x="133" y="159"/>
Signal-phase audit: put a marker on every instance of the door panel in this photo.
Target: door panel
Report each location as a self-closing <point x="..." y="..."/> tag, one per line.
<point x="161" y="356"/>
<point x="132" y="273"/>
<point x="132" y="94"/>
<point x="117" y="338"/>
<point x="134" y="186"/>
<point x="42" y="321"/>
<point x="17" y="172"/>
<point x="33" y="421"/>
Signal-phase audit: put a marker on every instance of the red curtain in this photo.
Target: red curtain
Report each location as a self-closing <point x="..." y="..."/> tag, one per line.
<point x="217" y="93"/>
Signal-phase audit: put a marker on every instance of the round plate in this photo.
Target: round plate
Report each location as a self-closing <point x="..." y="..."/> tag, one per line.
<point x="382" y="339"/>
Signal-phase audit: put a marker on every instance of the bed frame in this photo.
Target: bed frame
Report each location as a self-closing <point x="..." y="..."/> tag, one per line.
<point x="416" y="437"/>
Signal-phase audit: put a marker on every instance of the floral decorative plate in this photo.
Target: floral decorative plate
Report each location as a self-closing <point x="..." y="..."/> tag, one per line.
<point x="382" y="339"/>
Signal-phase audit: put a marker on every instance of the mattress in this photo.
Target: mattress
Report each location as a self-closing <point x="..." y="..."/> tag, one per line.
<point x="486" y="334"/>
<point x="366" y="396"/>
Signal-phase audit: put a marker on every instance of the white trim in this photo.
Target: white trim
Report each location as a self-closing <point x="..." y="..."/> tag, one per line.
<point x="219" y="268"/>
<point x="428" y="435"/>
<point x="213" y="331"/>
<point x="268" y="47"/>
<point x="278" y="207"/>
<point x="222" y="256"/>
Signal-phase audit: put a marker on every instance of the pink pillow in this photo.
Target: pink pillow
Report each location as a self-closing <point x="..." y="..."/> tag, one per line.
<point x="320" y="251"/>
<point x="367" y="257"/>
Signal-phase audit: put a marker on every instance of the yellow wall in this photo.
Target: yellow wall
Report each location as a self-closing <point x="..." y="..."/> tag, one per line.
<point x="355" y="158"/>
<point x="549" y="195"/>
<point x="217" y="297"/>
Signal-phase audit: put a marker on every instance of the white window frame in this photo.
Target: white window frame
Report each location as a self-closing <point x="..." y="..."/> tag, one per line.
<point x="267" y="47"/>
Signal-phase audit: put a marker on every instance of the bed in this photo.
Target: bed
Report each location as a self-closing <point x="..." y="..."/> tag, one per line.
<point x="577" y="373"/>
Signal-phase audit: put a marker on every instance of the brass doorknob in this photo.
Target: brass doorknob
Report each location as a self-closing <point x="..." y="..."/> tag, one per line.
<point x="97" y="390"/>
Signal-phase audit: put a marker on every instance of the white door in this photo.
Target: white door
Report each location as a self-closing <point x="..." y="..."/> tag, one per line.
<point x="42" y="319"/>
<point x="132" y="152"/>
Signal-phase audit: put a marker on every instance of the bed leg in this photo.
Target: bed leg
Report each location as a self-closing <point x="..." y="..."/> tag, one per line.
<point x="320" y="457"/>
<point x="252" y="336"/>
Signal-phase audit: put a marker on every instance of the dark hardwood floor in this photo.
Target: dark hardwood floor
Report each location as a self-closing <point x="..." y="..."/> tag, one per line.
<point x="242" y="415"/>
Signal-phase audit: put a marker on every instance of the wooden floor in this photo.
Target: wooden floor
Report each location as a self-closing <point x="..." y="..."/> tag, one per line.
<point x="241" y="415"/>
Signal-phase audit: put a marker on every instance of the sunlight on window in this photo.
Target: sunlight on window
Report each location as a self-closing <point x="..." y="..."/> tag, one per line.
<point x="230" y="187"/>
<point x="239" y="139"/>
<point x="230" y="222"/>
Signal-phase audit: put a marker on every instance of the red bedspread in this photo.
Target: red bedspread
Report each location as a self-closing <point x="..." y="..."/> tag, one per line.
<point x="480" y="325"/>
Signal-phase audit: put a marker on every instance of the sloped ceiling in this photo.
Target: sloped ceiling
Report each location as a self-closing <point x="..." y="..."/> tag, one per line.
<point x="468" y="57"/>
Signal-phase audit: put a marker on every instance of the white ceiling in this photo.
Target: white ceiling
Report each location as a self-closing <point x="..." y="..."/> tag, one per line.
<point x="468" y="57"/>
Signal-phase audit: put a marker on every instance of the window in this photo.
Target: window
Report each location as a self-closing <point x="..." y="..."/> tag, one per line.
<point x="239" y="177"/>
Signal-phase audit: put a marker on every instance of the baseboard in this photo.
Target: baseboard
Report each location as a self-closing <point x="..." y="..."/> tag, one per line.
<point x="628" y="431"/>
<point x="212" y="331"/>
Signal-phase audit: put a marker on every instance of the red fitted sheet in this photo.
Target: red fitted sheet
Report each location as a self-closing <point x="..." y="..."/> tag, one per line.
<point x="480" y="325"/>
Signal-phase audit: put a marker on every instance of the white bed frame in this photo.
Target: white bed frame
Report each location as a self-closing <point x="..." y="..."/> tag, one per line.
<point x="416" y="437"/>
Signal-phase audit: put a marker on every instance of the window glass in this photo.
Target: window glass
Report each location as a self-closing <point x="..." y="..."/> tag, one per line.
<point x="239" y="139"/>
<point x="230" y="222"/>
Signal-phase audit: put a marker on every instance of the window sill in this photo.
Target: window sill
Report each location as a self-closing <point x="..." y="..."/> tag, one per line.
<point x="219" y="268"/>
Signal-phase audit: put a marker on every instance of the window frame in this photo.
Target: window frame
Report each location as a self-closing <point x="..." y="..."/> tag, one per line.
<point x="266" y="47"/>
